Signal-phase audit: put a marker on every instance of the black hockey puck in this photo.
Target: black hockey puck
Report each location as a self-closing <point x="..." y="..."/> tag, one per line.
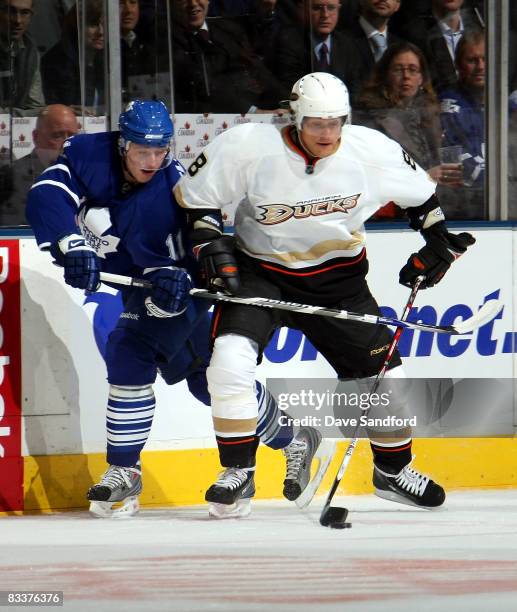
<point x="333" y="517"/>
<point x="344" y="525"/>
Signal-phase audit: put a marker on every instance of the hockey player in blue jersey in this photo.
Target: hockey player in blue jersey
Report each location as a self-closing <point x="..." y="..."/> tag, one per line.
<point x="107" y="204"/>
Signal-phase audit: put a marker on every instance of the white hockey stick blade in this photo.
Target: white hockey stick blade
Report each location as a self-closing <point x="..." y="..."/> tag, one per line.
<point x="485" y="314"/>
<point x="323" y="455"/>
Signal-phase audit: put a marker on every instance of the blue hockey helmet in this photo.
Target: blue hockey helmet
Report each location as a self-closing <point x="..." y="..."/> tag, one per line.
<point x="146" y="122"/>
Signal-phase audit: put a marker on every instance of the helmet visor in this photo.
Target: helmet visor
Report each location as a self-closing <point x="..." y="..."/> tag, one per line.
<point x="317" y="126"/>
<point x="146" y="158"/>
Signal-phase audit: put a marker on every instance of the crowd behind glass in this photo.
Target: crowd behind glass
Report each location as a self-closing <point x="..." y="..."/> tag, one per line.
<point x="415" y="70"/>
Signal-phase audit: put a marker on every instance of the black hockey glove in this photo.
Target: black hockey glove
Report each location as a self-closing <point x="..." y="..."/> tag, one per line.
<point x="219" y="268"/>
<point x="169" y="294"/>
<point x="435" y="258"/>
<point x="81" y="264"/>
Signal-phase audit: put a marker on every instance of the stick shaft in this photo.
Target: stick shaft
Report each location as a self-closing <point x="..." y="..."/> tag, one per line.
<point x="485" y="314"/>
<point x="129" y="281"/>
<point x="353" y="442"/>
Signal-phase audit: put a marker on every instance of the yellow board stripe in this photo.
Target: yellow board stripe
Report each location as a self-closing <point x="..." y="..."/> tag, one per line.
<point x="181" y="477"/>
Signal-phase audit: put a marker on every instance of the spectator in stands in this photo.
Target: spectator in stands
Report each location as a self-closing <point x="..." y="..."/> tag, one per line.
<point x="65" y="81"/>
<point x="55" y="123"/>
<point x="438" y="34"/>
<point x="371" y="32"/>
<point x="47" y="22"/>
<point x="263" y="27"/>
<point x="463" y="123"/>
<point x="137" y="58"/>
<point x="314" y="45"/>
<point x="399" y="101"/>
<point x="409" y="11"/>
<point x="20" y="78"/>
<point x="214" y="67"/>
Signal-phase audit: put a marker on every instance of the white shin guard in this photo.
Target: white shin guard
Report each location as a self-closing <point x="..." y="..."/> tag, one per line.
<point x="231" y="382"/>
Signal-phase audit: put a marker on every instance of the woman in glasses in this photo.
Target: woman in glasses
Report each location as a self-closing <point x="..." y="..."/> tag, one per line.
<point x="399" y="101"/>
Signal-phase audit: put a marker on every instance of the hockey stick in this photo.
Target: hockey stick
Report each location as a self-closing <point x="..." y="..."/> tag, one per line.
<point x="485" y="314"/>
<point x="333" y="516"/>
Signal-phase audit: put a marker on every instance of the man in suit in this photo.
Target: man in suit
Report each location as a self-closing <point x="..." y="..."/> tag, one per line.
<point x="20" y="77"/>
<point x="55" y="123"/>
<point x="438" y="34"/>
<point x="371" y="34"/>
<point x="314" y="45"/>
<point x="215" y="68"/>
<point x="136" y="56"/>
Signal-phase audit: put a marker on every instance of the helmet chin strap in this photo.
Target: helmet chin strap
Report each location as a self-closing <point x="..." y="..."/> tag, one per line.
<point x="303" y="145"/>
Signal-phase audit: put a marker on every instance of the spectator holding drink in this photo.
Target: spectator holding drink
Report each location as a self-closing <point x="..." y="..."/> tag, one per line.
<point x="463" y="123"/>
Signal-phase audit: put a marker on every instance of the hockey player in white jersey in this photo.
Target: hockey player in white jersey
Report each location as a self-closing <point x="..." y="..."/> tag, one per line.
<point x="305" y="193"/>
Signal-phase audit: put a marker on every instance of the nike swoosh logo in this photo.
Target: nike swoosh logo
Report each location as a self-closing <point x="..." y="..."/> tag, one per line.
<point x="75" y="243"/>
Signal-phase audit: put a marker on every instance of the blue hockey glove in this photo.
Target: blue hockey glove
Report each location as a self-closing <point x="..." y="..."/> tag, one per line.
<point x="81" y="264"/>
<point x="169" y="294"/>
<point x="435" y="258"/>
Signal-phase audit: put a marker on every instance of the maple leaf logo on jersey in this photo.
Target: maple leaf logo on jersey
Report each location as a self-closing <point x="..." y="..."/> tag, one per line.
<point x="95" y="224"/>
<point x="273" y="214"/>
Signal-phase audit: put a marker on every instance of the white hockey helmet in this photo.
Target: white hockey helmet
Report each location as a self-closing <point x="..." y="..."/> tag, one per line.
<point x="318" y="94"/>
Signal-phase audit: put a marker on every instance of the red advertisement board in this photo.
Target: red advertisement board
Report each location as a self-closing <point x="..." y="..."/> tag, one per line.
<point x="11" y="461"/>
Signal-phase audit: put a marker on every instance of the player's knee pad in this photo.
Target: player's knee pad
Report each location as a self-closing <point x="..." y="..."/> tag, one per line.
<point x="231" y="377"/>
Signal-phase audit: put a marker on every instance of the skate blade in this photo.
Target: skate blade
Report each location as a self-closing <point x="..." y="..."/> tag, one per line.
<point x="400" y="499"/>
<point x="239" y="509"/>
<point x="127" y="508"/>
<point x="323" y="456"/>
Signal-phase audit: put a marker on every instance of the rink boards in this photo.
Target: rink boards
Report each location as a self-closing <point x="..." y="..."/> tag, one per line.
<point x="53" y="387"/>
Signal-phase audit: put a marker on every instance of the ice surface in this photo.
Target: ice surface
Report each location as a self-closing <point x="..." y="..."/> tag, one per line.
<point x="395" y="558"/>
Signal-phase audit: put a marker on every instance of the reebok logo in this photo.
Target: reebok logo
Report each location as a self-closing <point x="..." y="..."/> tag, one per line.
<point x="130" y="315"/>
<point x="381" y="349"/>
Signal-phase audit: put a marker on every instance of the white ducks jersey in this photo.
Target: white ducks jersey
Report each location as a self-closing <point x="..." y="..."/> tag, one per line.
<point x="293" y="218"/>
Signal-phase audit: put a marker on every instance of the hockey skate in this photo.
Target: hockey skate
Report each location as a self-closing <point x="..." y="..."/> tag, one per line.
<point x="230" y="496"/>
<point x="307" y="448"/>
<point x="119" y="487"/>
<point x="408" y="487"/>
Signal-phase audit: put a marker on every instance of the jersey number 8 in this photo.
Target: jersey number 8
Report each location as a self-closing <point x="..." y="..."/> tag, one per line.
<point x="197" y="164"/>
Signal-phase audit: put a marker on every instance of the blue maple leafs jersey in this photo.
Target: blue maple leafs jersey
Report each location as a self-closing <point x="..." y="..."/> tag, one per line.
<point x="131" y="227"/>
<point x="463" y="123"/>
